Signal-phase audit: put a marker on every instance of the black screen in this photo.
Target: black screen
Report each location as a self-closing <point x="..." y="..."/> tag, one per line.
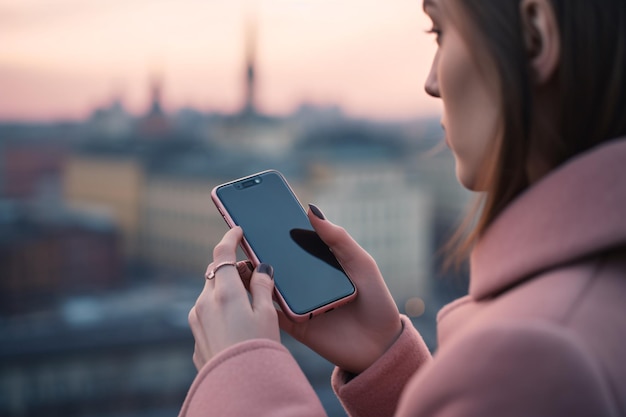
<point x="277" y="229"/>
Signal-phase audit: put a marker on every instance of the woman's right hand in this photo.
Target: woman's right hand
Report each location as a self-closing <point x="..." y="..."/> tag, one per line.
<point x="355" y="335"/>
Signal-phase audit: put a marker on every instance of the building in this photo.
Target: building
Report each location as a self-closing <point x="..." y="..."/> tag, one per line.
<point x="111" y="121"/>
<point x="47" y="253"/>
<point x="31" y="167"/>
<point x="179" y="224"/>
<point x="107" y="185"/>
<point x="389" y="217"/>
<point x="125" y="353"/>
<point x="155" y="124"/>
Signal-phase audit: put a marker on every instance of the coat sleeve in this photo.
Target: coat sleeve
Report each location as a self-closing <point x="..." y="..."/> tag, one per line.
<point x="254" y="378"/>
<point x="377" y="390"/>
<point x="510" y="369"/>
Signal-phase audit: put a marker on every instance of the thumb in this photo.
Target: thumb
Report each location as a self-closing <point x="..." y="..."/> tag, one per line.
<point x="344" y="247"/>
<point x="262" y="287"/>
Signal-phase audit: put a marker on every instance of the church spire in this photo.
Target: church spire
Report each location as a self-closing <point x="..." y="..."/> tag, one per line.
<point x="155" y="123"/>
<point x="156" y="87"/>
<point x="250" y="69"/>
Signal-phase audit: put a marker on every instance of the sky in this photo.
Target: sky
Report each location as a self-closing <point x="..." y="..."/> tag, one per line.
<point x="61" y="59"/>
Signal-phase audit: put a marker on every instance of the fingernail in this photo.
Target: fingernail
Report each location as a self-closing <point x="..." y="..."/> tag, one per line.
<point x="266" y="269"/>
<point x="243" y="265"/>
<point x="318" y="213"/>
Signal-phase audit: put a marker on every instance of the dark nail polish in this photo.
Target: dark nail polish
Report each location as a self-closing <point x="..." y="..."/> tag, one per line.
<point x="318" y="213"/>
<point x="266" y="269"/>
<point x="244" y="266"/>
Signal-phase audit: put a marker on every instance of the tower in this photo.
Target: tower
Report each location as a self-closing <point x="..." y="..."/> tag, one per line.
<point x="155" y="123"/>
<point x="156" y="87"/>
<point x="250" y="70"/>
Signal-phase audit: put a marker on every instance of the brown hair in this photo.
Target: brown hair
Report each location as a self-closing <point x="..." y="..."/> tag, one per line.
<point x="591" y="85"/>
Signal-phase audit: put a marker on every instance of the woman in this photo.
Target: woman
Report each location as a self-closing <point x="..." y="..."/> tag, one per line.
<point x="534" y="95"/>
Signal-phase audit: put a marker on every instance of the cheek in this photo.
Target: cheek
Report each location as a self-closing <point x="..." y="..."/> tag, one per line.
<point x="462" y="95"/>
<point x="471" y="113"/>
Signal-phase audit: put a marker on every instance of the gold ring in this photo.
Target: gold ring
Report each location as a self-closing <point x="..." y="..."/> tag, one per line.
<point x="211" y="273"/>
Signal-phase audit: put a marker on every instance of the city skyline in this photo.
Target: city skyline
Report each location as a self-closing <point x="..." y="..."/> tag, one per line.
<point x="63" y="61"/>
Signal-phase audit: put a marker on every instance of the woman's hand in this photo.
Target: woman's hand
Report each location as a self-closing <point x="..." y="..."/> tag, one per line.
<point x="355" y="335"/>
<point x="223" y="315"/>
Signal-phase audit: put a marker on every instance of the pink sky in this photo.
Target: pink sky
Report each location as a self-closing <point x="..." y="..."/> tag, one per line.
<point x="62" y="58"/>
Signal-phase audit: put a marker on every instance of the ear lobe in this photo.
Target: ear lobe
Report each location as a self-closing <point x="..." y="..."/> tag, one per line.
<point x="541" y="38"/>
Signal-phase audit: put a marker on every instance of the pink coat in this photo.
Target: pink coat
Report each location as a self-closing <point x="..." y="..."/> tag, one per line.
<point x="541" y="333"/>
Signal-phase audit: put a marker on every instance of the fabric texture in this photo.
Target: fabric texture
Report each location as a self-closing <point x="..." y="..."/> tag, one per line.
<point x="541" y="332"/>
<point x="389" y="375"/>
<point x="254" y="378"/>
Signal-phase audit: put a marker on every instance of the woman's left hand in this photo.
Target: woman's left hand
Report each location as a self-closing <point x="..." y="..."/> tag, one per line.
<point x="223" y="314"/>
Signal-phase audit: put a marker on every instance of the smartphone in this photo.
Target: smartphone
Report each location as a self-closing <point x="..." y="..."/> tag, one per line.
<point x="308" y="279"/>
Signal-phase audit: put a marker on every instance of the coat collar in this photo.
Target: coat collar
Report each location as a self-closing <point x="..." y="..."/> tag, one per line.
<point x="577" y="210"/>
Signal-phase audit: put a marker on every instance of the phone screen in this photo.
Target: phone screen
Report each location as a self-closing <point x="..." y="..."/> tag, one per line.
<point x="275" y="225"/>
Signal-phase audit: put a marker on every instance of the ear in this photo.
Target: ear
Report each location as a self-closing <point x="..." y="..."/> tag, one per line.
<point x="541" y="38"/>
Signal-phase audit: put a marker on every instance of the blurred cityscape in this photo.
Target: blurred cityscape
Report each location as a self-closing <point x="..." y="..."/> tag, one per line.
<point x="106" y="228"/>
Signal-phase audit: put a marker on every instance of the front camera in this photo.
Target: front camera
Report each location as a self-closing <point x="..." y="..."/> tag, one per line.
<point x="251" y="182"/>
